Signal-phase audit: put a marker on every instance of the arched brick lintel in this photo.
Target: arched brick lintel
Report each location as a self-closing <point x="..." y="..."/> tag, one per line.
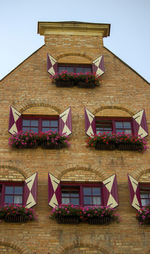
<point x="101" y="248"/>
<point x="74" y="54"/>
<point x="28" y="104"/>
<point x="97" y="171"/>
<point x="139" y="172"/>
<point x="119" y="107"/>
<point x="14" y="168"/>
<point x="14" y="246"/>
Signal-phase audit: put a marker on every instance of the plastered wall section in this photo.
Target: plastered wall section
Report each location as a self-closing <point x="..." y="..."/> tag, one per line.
<point x="121" y="90"/>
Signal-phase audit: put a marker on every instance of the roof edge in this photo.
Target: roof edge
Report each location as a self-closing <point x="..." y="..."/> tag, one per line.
<point x="21" y="63"/>
<point x="128" y="66"/>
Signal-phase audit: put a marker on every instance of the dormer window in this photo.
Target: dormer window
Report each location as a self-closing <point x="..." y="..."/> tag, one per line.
<point x="75" y="68"/>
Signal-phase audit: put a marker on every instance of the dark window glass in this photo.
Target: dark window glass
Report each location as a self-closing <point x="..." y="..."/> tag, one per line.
<point x="39" y="125"/>
<point x="70" y="195"/>
<point x="113" y="126"/>
<point x="0" y="193"/>
<point x="104" y="126"/>
<point x="145" y="195"/>
<point x="75" y="68"/>
<point x="13" y="194"/>
<point x="123" y="127"/>
<point x="81" y="195"/>
<point x="91" y="196"/>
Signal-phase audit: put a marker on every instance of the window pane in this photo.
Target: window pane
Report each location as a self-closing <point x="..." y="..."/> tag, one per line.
<point x="54" y="123"/>
<point x="45" y="123"/>
<point x="17" y="199"/>
<point x="34" y="129"/>
<point x="119" y="124"/>
<point x="96" y="191"/>
<point x="8" y="190"/>
<point x="45" y="129"/>
<point x="18" y="190"/>
<point x="127" y="125"/>
<point x="25" y="122"/>
<point x="87" y="191"/>
<point x="65" y="201"/>
<point x="74" y="201"/>
<point x="127" y="131"/>
<point x="120" y="131"/>
<point x="87" y="201"/>
<point x="26" y="128"/>
<point x="34" y="122"/>
<point x="9" y="199"/>
<point x="145" y="202"/>
<point x="54" y="129"/>
<point x="96" y="200"/>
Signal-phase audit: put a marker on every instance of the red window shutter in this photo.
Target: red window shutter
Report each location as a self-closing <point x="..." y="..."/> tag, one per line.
<point x="140" y="124"/>
<point x="98" y="66"/>
<point x="30" y="191"/>
<point x="15" y="121"/>
<point x="65" y="122"/>
<point x="110" y="192"/>
<point x="134" y="189"/>
<point x="51" y="65"/>
<point x="54" y="191"/>
<point x="90" y="124"/>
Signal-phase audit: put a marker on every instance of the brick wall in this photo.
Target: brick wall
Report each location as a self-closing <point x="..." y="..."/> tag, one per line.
<point x="30" y="90"/>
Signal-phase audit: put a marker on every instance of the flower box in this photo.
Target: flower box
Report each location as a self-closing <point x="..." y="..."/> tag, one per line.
<point x="129" y="147"/>
<point x="46" y="145"/>
<point x="81" y="84"/>
<point x="103" y="146"/>
<point x="66" y="79"/>
<point x="68" y="219"/>
<point x="64" y="83"/>
<point x="99" y="220"/>
<point x="16" y="213"/>
<point x="120" y="141"/>
<point x="143" y="215"/>
<point x="15" y="218"/>
<point x="47" y="140"/>
<point x="70" y="214"/>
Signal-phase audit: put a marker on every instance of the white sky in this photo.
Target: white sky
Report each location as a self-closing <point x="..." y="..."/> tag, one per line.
<point x="129" y="36"/>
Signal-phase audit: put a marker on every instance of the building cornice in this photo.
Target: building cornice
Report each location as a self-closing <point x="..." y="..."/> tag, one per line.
<point x="74" y="28"/>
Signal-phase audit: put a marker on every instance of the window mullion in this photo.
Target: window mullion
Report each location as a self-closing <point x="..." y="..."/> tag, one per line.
<point x="113" y="126"/>
<point x="81" y="195"/>
<point x="40" y="125"/>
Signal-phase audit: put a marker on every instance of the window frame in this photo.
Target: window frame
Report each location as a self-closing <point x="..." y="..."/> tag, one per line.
<point x="116" y="119"/>
<point x="81" y="185"/>
<point x="12" y="184"/>
<point x="39" y="118"/>
<point x="75" y="66"/>
<point x="140" y="187"/>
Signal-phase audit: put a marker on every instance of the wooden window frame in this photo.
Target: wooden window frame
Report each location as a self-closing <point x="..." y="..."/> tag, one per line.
<point x="75" y="66"/>
<point x="115" y="119"/>
<point x="11" y="184"/>
<point x="40" y="119"/>
<point x="81" y="186"/>
<point x="148" y="186"/>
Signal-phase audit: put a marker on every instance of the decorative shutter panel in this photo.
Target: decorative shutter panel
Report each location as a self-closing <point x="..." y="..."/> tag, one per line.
<point x="54" y="191"/>
<point x="15" y="121"/>
<point x="98" y="66"/>
<point x="110" y="192"/>
<point x="65" y="122"/>
<point x="140" y="124"/>
<point x="30" y="191"/>
<point x="90" y="124"/>
<point x="134" y="192"/>
<point x="51" y="65"/>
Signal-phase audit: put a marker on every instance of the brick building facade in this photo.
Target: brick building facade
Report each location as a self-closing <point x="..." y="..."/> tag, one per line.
<point x="29" y="90"/>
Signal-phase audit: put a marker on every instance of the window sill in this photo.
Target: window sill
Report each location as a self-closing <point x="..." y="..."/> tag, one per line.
<point x="80" y="84"/>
